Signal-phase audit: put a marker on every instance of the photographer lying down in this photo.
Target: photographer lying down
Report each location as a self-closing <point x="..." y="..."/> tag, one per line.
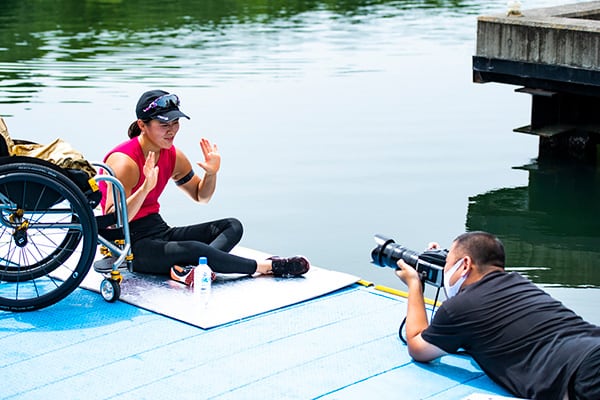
<point x="519" y="335"/>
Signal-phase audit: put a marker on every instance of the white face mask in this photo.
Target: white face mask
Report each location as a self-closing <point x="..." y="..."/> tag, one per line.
<point x="452" y="290"/>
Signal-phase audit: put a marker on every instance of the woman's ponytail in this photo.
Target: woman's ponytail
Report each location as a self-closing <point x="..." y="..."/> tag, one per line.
<point x="134" y="130"/>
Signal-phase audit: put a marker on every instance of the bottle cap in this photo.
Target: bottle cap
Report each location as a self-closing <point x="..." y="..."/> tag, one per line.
<point x="202" y="260"/>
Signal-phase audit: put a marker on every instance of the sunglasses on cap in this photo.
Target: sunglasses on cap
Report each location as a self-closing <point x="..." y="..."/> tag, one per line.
<point x="164" y="101"/>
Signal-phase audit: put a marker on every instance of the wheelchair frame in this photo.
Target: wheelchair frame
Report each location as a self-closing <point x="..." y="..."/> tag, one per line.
<point x="49" y="233"/>
<point x="109" y="288"/>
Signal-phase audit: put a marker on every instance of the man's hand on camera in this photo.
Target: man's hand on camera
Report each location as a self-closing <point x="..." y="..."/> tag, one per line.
<point x="433" y="246"/>
<point x="407" y="274"/>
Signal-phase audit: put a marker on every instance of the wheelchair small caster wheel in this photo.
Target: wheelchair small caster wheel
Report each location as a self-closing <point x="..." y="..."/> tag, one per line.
<point x="110" y="290"/>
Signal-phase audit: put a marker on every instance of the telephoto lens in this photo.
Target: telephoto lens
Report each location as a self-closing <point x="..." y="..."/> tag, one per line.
<point x="387" y="253"/>
<point x="429" y="264"/>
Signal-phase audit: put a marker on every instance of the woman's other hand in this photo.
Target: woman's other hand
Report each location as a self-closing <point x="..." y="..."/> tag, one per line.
<point x="212" y="158"/>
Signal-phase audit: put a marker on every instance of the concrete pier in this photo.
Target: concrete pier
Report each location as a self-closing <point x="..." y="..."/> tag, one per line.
<point x="554" y="54"/>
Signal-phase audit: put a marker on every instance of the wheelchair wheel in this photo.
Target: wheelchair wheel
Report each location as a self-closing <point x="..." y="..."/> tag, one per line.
<point x="110" y="290"/>
<point x="48" y="236"/>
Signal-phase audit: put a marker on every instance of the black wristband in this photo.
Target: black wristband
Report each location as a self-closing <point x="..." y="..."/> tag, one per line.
<point x="185" y="179"/>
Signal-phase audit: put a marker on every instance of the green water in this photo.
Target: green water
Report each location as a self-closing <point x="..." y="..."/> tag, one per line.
<point x="336" y="120"/>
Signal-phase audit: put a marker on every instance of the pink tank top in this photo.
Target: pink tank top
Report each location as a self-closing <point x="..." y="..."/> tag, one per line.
<point x="166" y="166"/>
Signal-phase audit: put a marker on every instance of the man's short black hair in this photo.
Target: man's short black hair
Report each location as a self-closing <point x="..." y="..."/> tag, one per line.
<point x="485" y="249"/>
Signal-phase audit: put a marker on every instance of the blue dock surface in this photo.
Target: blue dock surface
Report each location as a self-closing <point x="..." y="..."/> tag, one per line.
<point x="343" y="345"/>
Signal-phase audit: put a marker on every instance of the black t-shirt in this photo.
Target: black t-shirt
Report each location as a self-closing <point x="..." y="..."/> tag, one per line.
<point x="519" y="335"/>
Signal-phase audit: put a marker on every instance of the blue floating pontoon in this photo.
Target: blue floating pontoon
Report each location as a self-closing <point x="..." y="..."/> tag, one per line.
<point x="342" y="345"/>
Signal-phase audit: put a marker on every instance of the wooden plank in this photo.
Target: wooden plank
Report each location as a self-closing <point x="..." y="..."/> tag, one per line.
<point x="536" y="92"/>
<point x="546" y="131"/>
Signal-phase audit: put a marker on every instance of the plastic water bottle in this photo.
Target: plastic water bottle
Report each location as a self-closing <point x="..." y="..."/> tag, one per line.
<point x="203" y="280"/>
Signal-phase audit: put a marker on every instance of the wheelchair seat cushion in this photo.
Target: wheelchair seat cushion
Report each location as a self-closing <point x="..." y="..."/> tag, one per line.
<point x="58" y="152"/>
<point x="6" y="142"/>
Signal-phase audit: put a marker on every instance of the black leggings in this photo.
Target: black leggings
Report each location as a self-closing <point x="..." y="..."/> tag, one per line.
<point x="157" y="247"/>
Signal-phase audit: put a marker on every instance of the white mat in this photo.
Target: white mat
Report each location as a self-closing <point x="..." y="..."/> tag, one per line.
<point x="233" y="297"/>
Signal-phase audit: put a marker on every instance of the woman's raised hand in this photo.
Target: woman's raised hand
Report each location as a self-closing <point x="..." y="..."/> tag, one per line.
<point x="150" y="172"/>
<point x="212" y="158"/>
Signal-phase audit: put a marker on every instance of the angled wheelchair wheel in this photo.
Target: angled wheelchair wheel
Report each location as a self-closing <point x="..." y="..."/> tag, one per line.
<point x="48" y="236"/>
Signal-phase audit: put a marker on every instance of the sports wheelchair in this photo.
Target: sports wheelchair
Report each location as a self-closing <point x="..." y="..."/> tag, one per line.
<point x="49" y="232"/>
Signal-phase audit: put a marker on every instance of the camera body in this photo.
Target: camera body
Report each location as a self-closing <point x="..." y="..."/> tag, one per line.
<point x="429" y="264"/>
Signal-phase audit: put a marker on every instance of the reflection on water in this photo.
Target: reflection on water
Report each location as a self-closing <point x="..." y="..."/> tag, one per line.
<point x="73" y="43"/>
<point x="550" y="228"/>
